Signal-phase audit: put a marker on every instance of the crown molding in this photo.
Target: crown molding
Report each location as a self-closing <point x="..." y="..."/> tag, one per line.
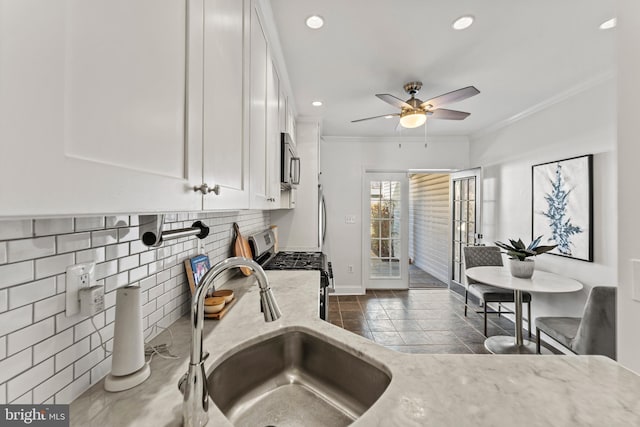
<point x="562" y="96"/>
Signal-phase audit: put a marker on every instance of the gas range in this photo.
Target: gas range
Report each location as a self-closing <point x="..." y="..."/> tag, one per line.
<point x="262" y="246"/>
<point x="296" y="261"/>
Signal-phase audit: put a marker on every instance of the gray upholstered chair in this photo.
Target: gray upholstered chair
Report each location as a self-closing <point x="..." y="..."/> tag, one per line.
<point x="593" y="333"/>
<point x="477" y="256"/>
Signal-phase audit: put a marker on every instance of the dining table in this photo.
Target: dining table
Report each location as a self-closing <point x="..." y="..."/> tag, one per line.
<point x="540" y="282"/>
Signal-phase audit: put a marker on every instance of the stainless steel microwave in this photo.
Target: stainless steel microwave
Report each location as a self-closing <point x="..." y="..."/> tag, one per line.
<point x="290" y="165"/>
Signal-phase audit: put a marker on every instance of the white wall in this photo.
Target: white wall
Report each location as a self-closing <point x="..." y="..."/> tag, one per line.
<point x="343" y="161"/>
<point x="582" y="124"/>
<point x="429" y="226"/>
<point x="628" y="177"/>
<point x="298" y="228"/>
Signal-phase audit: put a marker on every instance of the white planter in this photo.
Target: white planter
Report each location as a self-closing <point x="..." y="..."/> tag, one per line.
<point x="522" y="269"/>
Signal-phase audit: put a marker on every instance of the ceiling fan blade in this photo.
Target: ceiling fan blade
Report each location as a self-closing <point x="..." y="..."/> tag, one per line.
<point x="375" y="117"/>
<point x="443" y="113"/>
<point x="448" y="98"/>
<point x="393" y="100"/>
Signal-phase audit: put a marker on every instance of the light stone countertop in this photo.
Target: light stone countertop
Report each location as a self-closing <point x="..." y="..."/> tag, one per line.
<point x="425" y="390"/>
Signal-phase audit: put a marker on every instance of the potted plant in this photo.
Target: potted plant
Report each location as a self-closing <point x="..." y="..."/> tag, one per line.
<point x="518" y="253"/>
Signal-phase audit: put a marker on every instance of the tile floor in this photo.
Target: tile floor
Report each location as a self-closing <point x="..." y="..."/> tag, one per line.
<point x="419" y="278"/>
<point x="416" y="321"/>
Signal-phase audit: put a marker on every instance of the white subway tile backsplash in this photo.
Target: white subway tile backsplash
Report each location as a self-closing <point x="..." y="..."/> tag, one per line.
<point x="29" y="379"/>
<point x="88" y="361"/>
<point x="128" y="234"/>
<point x="49" y="307"/>
<point x="52" y="385"/>
<point x="13" y="274"/>
<point x="96" y="255"/>
<point x="31" y="292"/>
<point x="13" y="320"/>
<point x="4" y="302"/>
<point x="20" y="250"/>
<point x="73" y="390"/>
<point x="116" y="281"/>
<point x="14" y="365"/>
<point x="90" y="223"/>
<point x="138" y="273"/>
<point x="68" y="356"/>
<point x="46" y="227"/>
<point x="30" y="335"/>
<point x="73" y="242"/>
<point x="103" y="238"/>
<point x="128" y="263"/>
<point x="147" y="257"/>
<point x="106" y="269"/>
<point x="117" y="221"/>
<point x="117" y="251"/>
<point x="53" y="265"/>
<point x="25" y="399"/>
<point x="53" y="345"/>
<point x="85" y="328"/>
<point x="29" y="311"/>
<point x="16" y="229"/>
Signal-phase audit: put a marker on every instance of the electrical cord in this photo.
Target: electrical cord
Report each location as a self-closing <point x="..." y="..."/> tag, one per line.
<point x="160" y="348"/>
<point x="102" y="344"/>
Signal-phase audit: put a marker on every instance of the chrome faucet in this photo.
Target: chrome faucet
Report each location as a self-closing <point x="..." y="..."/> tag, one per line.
<point x="193" y="384"/>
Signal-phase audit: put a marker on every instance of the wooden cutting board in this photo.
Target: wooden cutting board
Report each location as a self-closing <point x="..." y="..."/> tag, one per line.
<point x="241" y="248"/>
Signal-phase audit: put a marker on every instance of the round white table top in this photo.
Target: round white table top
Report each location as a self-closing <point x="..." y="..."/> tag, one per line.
<point x="541" y="281"/>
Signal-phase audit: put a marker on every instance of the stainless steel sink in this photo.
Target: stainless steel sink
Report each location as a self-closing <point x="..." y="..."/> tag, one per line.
<point x="295" y="379"/>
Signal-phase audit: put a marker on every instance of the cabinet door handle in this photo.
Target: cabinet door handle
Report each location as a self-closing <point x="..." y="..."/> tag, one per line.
<point x="205" y="189"/>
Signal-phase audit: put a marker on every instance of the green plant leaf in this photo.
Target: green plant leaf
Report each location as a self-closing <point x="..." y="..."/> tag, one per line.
<point x="535" y="243"/>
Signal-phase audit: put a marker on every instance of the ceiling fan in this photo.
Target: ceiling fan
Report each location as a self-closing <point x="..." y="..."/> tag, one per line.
<point x="413" y="112"/>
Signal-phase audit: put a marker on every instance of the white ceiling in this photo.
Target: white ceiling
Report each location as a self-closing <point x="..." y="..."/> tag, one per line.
<point x="519" y="54"/>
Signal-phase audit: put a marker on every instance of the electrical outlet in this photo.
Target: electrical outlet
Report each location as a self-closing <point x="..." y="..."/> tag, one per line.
<point x="350" y="219"/>
<point x="350" y="268"/>
<point x="78" y="276"/>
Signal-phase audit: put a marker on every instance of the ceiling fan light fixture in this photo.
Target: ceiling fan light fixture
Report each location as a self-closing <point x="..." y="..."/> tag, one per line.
<point x="412" y="118"/>
<point x="315" y="22"/>
<point x="463" y="22"/>
<point x="609" y="24"/>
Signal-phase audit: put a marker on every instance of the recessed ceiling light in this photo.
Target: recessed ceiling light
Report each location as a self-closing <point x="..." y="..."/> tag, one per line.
<point x="317" y="103"/>
<point x="315" y="22"/>
<point x="462" y="23"/>
<point x="607" y="25"/>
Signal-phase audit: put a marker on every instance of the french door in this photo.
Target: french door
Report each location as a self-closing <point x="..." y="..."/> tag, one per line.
<point x="385" y="231"/>
<point x="466" y="218"/>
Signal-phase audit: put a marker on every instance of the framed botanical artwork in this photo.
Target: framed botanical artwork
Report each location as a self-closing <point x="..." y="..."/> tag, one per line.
<point x="563" y="206"/>
<point x="195" y="268"/>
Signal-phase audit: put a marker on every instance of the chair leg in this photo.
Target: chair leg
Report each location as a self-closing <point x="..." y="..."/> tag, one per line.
<point x="466" y="300"/>
<point x="529" y="324"/>
<point x="499" y="309"/>
<point x="537" y="341"/>
<point x="485" y="318"/>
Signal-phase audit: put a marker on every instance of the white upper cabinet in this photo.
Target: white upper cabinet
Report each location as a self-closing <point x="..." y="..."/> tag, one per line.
<point x="258" y="114"/>
<point x="226" y="140"/>
<point x="264" y="120"/>
<point x="94" y="109"/>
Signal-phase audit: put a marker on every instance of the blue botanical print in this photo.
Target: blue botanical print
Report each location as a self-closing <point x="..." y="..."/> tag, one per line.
<point x="561" y="227"/>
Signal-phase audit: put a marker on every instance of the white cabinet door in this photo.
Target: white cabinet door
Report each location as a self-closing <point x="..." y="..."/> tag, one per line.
<point x="226" y="144"/>
<point x="257" y="114"/>
<point x="94" y="106"/>
<point x="273" y="137"/>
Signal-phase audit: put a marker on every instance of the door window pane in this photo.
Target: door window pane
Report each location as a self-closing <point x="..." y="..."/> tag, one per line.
<point x="385" y="201"/>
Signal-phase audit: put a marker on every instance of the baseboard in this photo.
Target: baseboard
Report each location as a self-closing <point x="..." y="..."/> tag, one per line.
<point x="347" y="291"/>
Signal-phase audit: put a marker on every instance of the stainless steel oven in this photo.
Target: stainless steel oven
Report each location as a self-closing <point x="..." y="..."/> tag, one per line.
<point x="262" y="248"/>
